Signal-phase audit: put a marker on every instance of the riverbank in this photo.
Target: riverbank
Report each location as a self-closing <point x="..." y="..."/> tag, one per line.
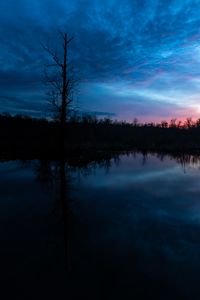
<point x="87" y="140"/>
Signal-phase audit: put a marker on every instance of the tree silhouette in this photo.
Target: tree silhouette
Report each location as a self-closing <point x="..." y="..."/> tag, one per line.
<point x="62" y="83"/>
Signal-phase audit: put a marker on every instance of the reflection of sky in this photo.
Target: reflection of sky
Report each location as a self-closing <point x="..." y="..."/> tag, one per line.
<point x="160" y="180"/>
<point x="147" y="211"/>
<point x="135" y="223"/>
<point x="135" y="58"/>
<point x="159" y="192"/>
<point x="28" y="226"/>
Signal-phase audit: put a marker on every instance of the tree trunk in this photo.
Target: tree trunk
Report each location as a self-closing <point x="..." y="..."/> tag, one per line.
<point x="64" y="99"/>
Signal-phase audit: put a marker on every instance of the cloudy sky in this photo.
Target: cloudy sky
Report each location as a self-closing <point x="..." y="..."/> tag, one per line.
<point x="133" y="58"/>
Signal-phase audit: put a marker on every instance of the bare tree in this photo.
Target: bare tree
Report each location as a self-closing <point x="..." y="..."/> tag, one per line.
<point x="61" y="81"/>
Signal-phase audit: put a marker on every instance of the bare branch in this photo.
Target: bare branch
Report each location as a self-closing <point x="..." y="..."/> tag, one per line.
<point x="62" y="34"/>
<point x="53" y="55"/>
<point x="62" y="84"/>
<point x="68" y="41"/>
<point x="69" y="101"/>
<point x="52" y="81"/>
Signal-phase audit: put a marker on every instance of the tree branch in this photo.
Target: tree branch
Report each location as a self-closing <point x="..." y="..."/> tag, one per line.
<point x="53" y="55"/>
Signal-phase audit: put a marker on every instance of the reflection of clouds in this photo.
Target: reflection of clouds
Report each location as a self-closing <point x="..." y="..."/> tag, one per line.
<point x="160" y="190"/>
<point x="123" y="180"/>
<point x="122" y="229"/>
<point x="150" y="226"/>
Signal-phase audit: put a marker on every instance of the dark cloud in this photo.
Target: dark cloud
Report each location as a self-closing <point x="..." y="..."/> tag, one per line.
<point x="152" y="45"/>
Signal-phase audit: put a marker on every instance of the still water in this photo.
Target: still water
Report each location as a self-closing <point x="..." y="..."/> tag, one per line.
<point x="124" y="228"/>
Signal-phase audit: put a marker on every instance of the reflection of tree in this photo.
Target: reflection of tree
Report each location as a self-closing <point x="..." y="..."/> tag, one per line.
<point x="64" y="199"/>
<point x="59" y="176"/>
<point x="54" y="177"/>
<point x="185" y="160"/>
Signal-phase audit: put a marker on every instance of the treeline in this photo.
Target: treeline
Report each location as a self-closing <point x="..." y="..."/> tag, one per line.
<point x="173" y="123"/>
<point x="164" y="136"/>
<point x="22" y="136"/>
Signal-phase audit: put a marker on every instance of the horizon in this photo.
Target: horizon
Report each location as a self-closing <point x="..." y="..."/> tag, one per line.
<point x="103" y="117"/>
<point x="139" y="59"/>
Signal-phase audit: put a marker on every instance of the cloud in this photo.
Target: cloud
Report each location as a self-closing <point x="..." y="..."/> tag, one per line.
<point x="151" y="45"/>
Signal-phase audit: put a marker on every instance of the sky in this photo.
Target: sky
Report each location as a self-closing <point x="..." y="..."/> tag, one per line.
<point x="132" y="58"/>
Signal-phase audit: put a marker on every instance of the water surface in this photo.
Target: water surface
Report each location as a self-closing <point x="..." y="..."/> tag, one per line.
<point x="123" y="229"/>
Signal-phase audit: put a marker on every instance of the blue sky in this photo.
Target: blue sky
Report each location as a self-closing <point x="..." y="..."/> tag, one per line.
<point x="133" y="58"/>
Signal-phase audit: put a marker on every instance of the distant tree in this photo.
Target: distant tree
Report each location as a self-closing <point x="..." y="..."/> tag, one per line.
<point x="164" y="124"/>
<point x="189" y="123"/>
<point x="172" y="123"/>
<point x="61" y="81"/>
<point x="179" y="124"/>
<point x="198" y="123"/>
<point x="135" y="122"/>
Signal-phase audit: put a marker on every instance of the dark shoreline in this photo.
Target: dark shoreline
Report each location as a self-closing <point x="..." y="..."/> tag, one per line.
<point x="88" y="140"/>
<point x="81" y="158"/>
